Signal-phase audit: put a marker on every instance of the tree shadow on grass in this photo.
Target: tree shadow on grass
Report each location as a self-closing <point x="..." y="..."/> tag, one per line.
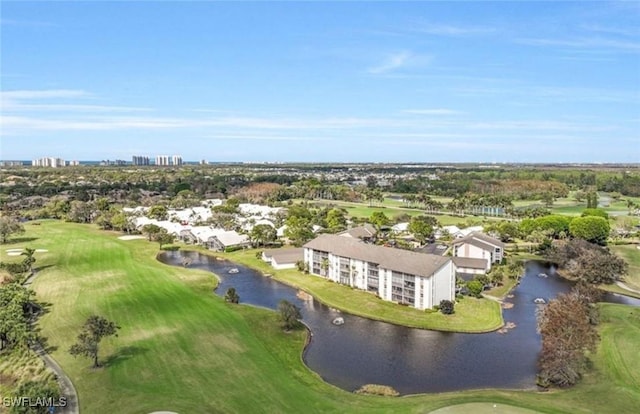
<point x="122" y="355"/>
<point x="44" y="343"/>
<point x="16" y="240"/>
<point x="41" y="268"/>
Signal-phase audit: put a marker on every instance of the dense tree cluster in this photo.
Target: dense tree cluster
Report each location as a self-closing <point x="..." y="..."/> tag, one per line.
<point x="568" y="329"/>
<point x="17" y="306"/>
<point x="593" y="229"/>
<point x="587" y="262"/>
<point x="422" y="227"/>
<point x="263" y="234"/>
<point x="157" y="234"/>
<point x="9" y="226"/>
<point x="288" y="315"/>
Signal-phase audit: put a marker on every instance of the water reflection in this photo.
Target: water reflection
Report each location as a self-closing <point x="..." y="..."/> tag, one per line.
<point x="412" y="361"/>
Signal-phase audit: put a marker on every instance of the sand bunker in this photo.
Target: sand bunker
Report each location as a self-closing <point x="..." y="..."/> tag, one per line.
<point x="131" y="237"/>
<point x="41" y="250"/>
<point x="13" y="250"/>
<point x="13" y="253"/>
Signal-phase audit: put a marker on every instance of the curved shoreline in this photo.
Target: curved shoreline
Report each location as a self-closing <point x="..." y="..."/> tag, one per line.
<point x="310" y="334"/>
<point x="339" y="371"/>
<point x="352" y="312"/>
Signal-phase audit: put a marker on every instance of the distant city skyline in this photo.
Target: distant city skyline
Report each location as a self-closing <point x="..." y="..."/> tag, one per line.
<point x="321" y="81"/>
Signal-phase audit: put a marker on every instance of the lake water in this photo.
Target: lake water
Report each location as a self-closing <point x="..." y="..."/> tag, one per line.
<point x="410" y="360"/>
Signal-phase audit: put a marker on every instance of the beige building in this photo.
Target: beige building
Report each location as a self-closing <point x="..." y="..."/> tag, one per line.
<point x="479" y="246"/>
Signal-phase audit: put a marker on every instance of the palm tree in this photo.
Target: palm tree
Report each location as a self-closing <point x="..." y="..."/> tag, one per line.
<point x="29" y="260"/>
<point x="409" y="199"/>
<point x="324" y="265"/>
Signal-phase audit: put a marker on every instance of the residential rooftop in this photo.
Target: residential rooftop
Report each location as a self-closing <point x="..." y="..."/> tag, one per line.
<point x="405" y="261"/>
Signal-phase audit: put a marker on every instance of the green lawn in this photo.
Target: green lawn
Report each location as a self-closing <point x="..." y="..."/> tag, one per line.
<point x="471" y="315"/>
<point x="181" y="348"/>
<point x="482" y="408"/>
<point x="501" y="291"/>
<point x="631" y="254"/>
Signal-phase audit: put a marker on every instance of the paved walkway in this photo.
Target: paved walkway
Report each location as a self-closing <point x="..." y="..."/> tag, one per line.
<point x="66" y="386"/>
<point x="630" y="289"/>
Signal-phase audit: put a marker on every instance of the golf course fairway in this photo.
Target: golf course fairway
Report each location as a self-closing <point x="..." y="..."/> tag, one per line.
<point x="183" y="349"/>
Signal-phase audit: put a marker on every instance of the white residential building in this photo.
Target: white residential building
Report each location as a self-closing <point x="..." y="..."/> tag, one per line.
<point x="416" y="279"/>
<point x="456" y="232"/>
<point x="214" y="238"/>
<point x="51" y="162"/>
<point x="258" y="210"/>
<point x="176" y="160"/>
<point x="162" y="160"/>
<point x="191" y="215"/>
<point x="479" y="246"/>
<point x="400" y="228"/>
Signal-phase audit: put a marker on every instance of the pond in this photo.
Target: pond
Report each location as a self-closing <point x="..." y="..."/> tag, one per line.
<point x="362" y="351"/>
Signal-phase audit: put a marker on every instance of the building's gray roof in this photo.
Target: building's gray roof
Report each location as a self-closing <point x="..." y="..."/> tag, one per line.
<point x="231" y="238"/>
<point x="481" y="240"/>
<point x="282" y="256"/>
<point x="419" y="264"/>
<point x="360" y="232"/>
<point x="470" y="263"/>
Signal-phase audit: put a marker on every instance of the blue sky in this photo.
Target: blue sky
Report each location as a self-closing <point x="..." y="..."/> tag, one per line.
<point x="322" y="81"/>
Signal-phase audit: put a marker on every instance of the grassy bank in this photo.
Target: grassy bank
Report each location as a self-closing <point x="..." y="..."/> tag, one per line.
<point x="183" y="349"/>
<point x="471" y="315"/>
<point x="631" y="254"/>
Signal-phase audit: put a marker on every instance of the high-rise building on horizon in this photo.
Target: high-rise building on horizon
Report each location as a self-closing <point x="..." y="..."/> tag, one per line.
<point x="52" y="162"/>
<point x="162" y="160"/>
<point x="8" y="163"/>
<point x="140" y="160"/>
<point x="176" y="160"/>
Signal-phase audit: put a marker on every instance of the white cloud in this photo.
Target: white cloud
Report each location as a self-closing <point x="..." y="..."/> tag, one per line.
<point x="17" y="124"/>
<point x="620" y="31"/>
<point x="451" y="30"/>
<point x="39" y="101"/>
<point x="436" y="111"/>
<point x="25" y="23"/>
<point x="599" y="43"/>
<point x="43" y="94"/>
<point x="248" y="137"/>
<point x="12" y="106"/>
<point x="391" y="63"/>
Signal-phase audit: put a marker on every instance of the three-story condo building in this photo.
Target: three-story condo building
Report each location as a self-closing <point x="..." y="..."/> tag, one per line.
<point x="419" y="280"/>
